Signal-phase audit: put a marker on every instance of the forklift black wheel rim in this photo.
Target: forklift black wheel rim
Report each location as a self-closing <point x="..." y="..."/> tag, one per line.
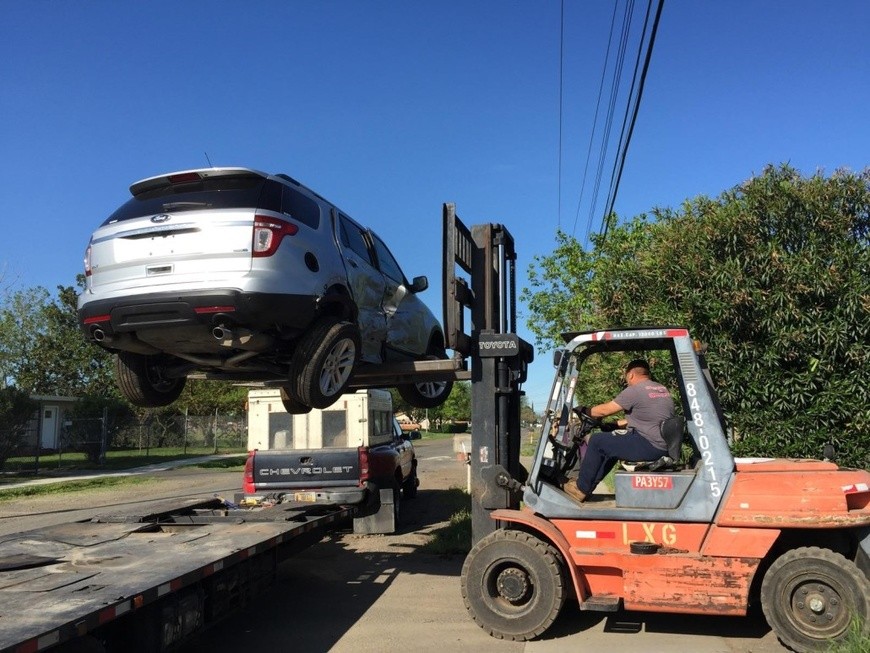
<point x="513" y="584"/>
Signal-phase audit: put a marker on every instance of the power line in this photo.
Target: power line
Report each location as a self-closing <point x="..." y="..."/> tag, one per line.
<point x="616" y="55"/>
<point x="618" y="177"/>
<point x="614" y="93"/>
<point x="595" y="119"/>
<point x="561" y="84"/>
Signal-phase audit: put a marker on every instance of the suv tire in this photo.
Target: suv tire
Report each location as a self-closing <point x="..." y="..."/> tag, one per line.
<point x="324" y="361"/>
<point x="428" y="394"/>
<point x="141" y="380"/>
<point x="291" y="404"/>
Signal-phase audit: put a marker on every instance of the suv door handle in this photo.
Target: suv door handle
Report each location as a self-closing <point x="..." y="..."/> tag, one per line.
<point x="352" y="263"/>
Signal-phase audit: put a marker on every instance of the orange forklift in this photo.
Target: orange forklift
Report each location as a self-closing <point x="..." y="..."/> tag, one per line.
<point x="701" y="533"/>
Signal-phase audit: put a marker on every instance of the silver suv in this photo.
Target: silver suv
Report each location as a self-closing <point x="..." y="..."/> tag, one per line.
<point x="240" y="275"/>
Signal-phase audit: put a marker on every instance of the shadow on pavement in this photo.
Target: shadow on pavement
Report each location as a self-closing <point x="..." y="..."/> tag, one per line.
<point x="572" y="621"/>
<point x="323" y="592"/>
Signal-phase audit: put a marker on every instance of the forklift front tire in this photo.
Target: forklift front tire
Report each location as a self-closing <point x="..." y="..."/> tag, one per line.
<point x="513" y="585"/>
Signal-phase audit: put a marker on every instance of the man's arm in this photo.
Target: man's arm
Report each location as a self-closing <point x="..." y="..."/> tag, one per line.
<point x="605" y="410"/>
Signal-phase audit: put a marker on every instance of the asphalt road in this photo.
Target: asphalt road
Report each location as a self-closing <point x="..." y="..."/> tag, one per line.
<point x="170" y="483"/>
<point x="374" y="593"/>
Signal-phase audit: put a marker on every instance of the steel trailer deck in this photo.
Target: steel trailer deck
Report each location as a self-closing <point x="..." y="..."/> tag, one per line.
<point x="63" y="582"/>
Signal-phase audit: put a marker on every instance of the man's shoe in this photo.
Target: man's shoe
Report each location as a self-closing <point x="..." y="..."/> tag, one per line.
<point x="574" y="492"/>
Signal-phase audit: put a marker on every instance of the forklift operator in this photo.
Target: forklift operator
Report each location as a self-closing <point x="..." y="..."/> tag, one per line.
<point x="646" y="405"/>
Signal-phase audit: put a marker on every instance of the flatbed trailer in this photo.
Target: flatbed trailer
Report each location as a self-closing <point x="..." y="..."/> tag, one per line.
<point x="145" y="582"/>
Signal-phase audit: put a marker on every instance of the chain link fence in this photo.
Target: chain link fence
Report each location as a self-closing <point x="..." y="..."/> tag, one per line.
<point x="95" y="436"/>
<point x="185" y="431"/>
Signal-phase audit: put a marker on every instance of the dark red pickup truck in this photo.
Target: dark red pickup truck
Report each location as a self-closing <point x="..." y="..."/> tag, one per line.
<point x="338" y="475"/>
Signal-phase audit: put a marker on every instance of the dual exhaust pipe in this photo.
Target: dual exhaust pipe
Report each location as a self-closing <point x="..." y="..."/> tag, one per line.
<point x="232" y="338"/>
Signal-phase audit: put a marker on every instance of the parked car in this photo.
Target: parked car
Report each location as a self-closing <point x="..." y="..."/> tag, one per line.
<point x="240" y="275"/>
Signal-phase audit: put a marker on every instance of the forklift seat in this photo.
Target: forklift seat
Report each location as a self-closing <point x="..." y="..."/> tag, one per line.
<point x="673" y="429"/>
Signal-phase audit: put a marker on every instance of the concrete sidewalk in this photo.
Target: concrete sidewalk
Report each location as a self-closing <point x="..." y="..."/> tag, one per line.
<point x="133" y="471"/>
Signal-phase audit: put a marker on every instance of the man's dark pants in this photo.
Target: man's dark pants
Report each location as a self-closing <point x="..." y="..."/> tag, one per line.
<point x="605" y="449"/>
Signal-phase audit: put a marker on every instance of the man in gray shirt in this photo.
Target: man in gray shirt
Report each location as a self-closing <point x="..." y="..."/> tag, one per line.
<point x="646" y="405"/>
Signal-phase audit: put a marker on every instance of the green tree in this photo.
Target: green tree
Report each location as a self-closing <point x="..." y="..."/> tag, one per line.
<point x="202" y="397"/>
<point x="458" y="404"/>
<point x="527" y="411"/>
<point x="16" y="411"/>
<point x="774" y="274"/>
<point x="21" y="319"/>
<point x="402" y="406"/>
<point x="42" y="349"/>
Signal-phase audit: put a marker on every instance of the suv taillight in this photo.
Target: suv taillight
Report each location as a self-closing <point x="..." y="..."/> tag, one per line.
<point x="268" y="233"/>
<point x="88" y="261"/>
<point x="364" y="471"/>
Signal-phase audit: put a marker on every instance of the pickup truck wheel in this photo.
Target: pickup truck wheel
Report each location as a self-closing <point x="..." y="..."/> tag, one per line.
<point x="810" y="597"/>
<point x="324" y="361"/>
<point x="291" y="404"/>
<point x="397" y="503"/>
<point x="409" y="487"/>
<point x="513" y="585"/>
<point x="142" y="381"/>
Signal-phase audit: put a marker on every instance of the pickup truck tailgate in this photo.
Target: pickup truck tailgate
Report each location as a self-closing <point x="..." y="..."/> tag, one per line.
<point x="305" y="468"/>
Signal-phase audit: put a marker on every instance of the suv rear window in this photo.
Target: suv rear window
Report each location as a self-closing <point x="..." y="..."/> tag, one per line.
<point x="227" y="192"/>
<point x="300" y="208"/>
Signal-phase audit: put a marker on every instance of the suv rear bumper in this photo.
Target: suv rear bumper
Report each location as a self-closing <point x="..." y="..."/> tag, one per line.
<point x="257" y="311"/>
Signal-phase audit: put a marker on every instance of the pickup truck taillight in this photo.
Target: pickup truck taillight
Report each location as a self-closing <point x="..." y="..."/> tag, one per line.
<point x="364" y="469"/>
<point x="268" y="233"/>
<point x="248" y="479"/>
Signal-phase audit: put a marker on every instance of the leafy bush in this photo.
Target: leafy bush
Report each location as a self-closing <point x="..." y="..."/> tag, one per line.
<point x="774" y="275"/>
<point x="16" y="411"/>
<point x="446" y="427"/>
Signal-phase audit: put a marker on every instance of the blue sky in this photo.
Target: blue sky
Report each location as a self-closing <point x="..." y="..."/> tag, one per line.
<point x="390" y="109"/>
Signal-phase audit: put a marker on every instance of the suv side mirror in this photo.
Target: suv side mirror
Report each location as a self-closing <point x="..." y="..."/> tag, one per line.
<point x="419" y="284"/>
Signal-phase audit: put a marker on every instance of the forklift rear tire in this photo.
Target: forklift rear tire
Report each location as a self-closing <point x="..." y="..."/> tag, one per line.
<point x="810" y="597"/>
<point x="513" y="585"/>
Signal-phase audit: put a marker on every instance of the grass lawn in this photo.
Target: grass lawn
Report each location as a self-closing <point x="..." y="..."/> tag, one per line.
<point x="71" y="486"/>
<point x="432" y="435"/>
<point x="455" y="538"/>
<point x="53" y="464"/>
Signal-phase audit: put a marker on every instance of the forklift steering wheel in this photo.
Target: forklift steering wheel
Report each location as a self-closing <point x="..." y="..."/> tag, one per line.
<point x="588" y="423"/>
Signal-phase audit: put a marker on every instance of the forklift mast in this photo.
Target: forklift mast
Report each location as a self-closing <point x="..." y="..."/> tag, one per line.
<point x="499" y="358"/>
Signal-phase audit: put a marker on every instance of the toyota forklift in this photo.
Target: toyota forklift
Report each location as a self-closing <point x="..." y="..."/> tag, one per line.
<point x="696" y="532"/>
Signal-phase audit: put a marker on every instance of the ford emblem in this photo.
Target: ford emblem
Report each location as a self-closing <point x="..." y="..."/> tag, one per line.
<point x="157" y="219"/>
